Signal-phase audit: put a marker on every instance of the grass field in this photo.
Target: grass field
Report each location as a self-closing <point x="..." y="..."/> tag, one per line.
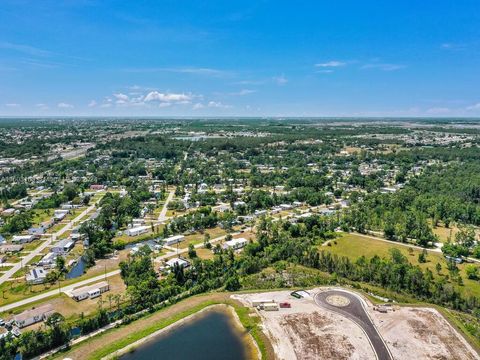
<point x="41" y="215"/>
<point x="444" y="233"/>
<point x="353" y="246"/>
<point x="198" y="237"/>
<point x="12" y="291"/>
<point x="72" y="309"/>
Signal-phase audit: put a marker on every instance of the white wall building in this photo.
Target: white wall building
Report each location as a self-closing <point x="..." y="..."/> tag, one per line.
<point x="174" y="239"/>
<point x="135" y="231"/>
<point x="36" y="276"/>
<point x="33" y="316"/>
<point x="90" y="291"/>
<point x="235" y="244"/>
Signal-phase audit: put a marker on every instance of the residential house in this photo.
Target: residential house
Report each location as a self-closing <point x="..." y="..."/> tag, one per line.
<point x="36" y="276"/>
<point x="62" y="247"/>
<point x="29" y="317"/>
<point x="179" y="261"/>
<point x="135" y="231"/>
<point x="235" y="244"/>
<point x="174" y="239"/>
<point x="9" y="248"/>
<point x="90" y="291"/>
<point x="22" y="239"/>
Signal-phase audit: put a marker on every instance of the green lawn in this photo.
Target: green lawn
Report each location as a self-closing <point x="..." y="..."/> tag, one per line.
<point x="353" y="246"/>
<point x="41" y="215"/>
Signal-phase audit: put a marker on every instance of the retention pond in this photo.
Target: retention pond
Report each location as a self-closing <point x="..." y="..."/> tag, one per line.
<point x="210" y="335"/>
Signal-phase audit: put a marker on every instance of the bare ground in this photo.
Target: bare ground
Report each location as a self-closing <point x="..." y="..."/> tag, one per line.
<point x="306" y="331"/>
<point x="422" y="333"/>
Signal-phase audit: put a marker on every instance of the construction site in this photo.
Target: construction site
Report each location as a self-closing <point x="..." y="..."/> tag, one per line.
<point x="330" y="323"/>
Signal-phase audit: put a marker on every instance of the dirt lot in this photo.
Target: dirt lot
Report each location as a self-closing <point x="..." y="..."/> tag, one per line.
<point x="305" y="331"/>
<point x="423" y="332"/>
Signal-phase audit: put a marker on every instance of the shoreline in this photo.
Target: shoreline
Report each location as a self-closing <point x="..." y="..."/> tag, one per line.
<point x="246" y="338"/>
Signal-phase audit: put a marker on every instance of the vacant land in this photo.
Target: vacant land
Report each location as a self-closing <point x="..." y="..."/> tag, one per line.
<point x="306" y="331"/>
<point x="353" y="246"/>
<point x="423" y="332"/>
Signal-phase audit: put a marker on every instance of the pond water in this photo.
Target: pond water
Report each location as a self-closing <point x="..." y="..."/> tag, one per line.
<point x="211" y="336"/>
<point x="77" y="270"/>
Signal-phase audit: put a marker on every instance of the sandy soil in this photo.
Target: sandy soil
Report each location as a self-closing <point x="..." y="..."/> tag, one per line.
<point x="307" y="332"/>
<point x="421" y="333"/>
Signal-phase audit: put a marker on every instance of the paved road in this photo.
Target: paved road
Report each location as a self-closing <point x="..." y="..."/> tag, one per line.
<point x="356" y="312"/>
<point x="8" y="274"/>
<point x="163" y="213"/>
<point x="55" y="292"/>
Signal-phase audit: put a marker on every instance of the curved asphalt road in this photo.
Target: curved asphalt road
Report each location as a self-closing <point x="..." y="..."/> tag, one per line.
<point x="354" y="311"/>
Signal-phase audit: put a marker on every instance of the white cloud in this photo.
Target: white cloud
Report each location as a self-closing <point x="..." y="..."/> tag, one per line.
<point x="250" y="82"/>
<point x="183" y="70"/>
<point x="453" y="46"/>
<point x="12" y="105"/>
<point x="121" y="98"/>
<point x="198" y="106"/>
<point x="438" y="110"/>
<point x="280" y="80"/>
<point x="63" y="105"/>
<point x="26" y="49"/>
<point x="92" y="103"/>
<point x="42" y="106"/>
<point x="243" y="92"/>
<point x="326" y="71"/>
<point x="384" y="66"/>
<point x="333" y="63"/>
<point x="474" y="107"/>
<point x="217" y="104"/>
<point x="166" y="97"/>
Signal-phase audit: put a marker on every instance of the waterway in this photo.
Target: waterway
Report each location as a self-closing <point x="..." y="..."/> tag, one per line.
<point x="212" y="335"/>
<point x="77" y="269"/>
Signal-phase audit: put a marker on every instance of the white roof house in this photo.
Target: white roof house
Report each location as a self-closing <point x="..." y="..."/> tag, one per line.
<point x="22" y="239"/>
<point x="235" y="243"/>
<point x="36" y="276"/>
<point x="135" y="231"/>
<point x="63" y="246"/>
<point x="180" y="262"/>
<point x="90" y="291"/>
<point x="48" y="260"/>
<point x="174" y="239"/>
<point x="29" y="317"/>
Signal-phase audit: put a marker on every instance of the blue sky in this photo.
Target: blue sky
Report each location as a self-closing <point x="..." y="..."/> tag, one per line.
<point x="246" y="58"/>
